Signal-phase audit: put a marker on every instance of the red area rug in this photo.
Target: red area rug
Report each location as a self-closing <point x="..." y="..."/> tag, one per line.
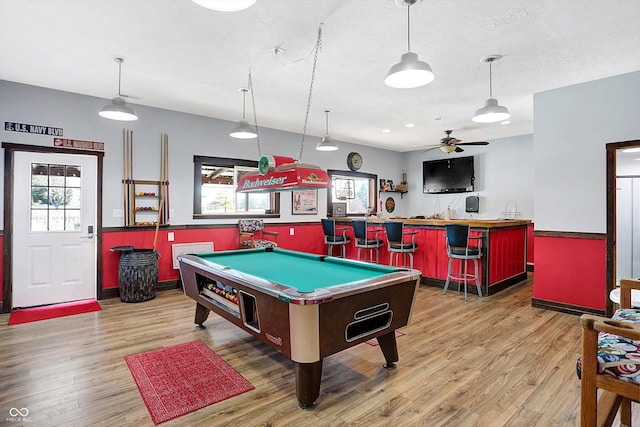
<point x="374" y="342"/>
<point x="44" y="312"/>
<point x="174" y="381"/>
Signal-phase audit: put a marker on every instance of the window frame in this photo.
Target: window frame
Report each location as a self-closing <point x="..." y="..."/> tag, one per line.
<point x="198" y="161"/>
<point x="373" y="193"/>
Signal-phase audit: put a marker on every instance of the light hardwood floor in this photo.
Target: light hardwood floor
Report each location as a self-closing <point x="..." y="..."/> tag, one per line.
<point x="494" y="361"/>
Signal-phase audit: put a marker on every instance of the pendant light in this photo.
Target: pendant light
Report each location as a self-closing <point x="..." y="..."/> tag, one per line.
<point x="243" y="130"/>
<point x="225" y="5"/>
<point x="410" y="72"/>
<point x="118" y="109"/>
<point x="326" y="144"/>
<point x="492" y="111"/>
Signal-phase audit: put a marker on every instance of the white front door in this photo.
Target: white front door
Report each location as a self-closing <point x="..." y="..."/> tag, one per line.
<point x="54" y="215"/>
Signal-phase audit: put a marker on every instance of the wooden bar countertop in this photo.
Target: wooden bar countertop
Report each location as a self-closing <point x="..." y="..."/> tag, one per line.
<point x="474" y="223"/>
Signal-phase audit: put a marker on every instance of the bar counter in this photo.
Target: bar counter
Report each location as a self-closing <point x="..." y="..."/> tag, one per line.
<point x="504" y="249"/>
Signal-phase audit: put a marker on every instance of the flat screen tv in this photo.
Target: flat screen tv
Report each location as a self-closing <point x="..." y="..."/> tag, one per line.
<point x="454" y="175"/>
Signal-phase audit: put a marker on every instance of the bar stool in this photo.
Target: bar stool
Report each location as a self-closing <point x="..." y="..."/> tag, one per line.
<point x="396" y="243"/>
<point x="363" y="241"/>
<point x="458" y="247"/>
<point x="331" y="237"/>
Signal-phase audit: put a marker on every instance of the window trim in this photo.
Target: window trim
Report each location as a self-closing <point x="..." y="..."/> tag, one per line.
<point x="198" y="161"/>
<point x="372" y="190"/>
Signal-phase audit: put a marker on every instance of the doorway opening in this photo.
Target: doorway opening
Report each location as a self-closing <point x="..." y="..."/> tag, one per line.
<point x="623" y="205"/>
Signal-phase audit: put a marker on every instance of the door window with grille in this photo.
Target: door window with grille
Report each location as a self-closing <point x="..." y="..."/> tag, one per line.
<point x="55" y="197"/>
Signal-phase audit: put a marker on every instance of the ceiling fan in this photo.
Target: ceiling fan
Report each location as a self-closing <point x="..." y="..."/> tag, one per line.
<point x="449" y="144"/>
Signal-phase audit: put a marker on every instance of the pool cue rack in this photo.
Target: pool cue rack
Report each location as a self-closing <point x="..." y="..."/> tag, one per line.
<point x="145" y="201"/>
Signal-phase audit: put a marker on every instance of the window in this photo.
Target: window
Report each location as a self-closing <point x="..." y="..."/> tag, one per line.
<point x="356" y="189"/>
<point x="55" y="197"/>
<point x="215" y="180"/>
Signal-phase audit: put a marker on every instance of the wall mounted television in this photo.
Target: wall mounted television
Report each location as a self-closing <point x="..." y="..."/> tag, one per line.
<point x="451" y="175"/>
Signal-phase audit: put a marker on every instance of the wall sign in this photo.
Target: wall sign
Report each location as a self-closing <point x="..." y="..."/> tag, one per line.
<point x="27" y="128"/>
<point x="78" y="144"/>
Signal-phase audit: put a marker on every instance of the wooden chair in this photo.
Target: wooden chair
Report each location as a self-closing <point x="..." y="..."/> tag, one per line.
<point x="610" y="380"/>
<point x="253" y="234"/>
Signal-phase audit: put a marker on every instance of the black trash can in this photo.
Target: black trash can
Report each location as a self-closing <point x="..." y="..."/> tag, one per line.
<point x="137" y="273"/>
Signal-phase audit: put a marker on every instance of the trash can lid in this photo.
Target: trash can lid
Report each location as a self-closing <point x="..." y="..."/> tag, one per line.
<point x="121" y="249"/>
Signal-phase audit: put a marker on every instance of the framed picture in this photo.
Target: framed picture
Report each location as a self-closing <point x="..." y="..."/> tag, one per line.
<point x="304" y="202"/>
<point x="383" y="184"/>
<point x="339" y="209"/>
<point x="391" y="185"/>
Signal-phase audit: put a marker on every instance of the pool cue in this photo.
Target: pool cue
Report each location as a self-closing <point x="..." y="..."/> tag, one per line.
<point x="166" y="178"/>
<point x="155" y="237"/>
<point x="124" y="176"/>
<point x="130" y="197"/>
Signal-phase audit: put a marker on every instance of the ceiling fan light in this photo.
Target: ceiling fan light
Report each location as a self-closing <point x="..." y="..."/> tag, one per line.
<point x="225" y="5"/>
<point x="491" y="112"/>
<point x="243" y="131"/>
<point x="448" y="148"/>
<point x="409" y="73"/>
<point x="326" y="144"/>
<point x="118" y="110"/>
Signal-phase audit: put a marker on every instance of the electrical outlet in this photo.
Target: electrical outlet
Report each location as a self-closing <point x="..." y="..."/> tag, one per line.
<point x="170" y="236"/>
<point x="292" y="231"/>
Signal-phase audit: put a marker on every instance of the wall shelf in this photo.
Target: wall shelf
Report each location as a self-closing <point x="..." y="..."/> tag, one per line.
<point x="143" y="204"/>
<point x="393" y="191"/>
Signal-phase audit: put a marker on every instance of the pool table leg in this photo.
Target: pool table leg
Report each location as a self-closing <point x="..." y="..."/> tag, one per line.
<point x="308" y="377"/>
<point x="389" y="349"/>
<point x="202" y="313"/>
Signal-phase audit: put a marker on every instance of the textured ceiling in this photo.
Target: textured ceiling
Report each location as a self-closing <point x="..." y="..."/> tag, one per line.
<point x="183" y="57"/>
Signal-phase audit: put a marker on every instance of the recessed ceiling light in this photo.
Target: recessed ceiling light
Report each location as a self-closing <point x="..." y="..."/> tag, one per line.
<point x="410" y="125"/>
<point x="386" y="130"/>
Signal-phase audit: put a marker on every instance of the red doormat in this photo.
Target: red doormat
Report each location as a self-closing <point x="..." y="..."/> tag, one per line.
<point x="174" y="381"/>
<point x="44" y="312"/>
<point x="374" y="342"/>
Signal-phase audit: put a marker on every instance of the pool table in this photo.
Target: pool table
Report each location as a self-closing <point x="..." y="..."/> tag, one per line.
<point x="305" y="306"/>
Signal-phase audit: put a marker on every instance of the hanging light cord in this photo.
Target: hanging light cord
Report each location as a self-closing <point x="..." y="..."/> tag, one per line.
<point x="490" y="84"/>
<point x="313" y="75"/>
<point x="327" y="124"/>
<point x="119" y="75"/>
<point x="255" y="118"/>
<point x="408" y="26"/>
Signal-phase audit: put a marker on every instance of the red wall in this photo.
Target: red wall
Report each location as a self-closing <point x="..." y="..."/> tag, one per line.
<point x="571" y="271"/>
<point x="1" y="263"/>
<point x="306" y="238"/>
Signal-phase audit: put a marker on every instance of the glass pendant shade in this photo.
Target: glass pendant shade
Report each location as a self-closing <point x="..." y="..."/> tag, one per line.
<point x="118" y="110"/>
<point x="409" y="73"/>
<point x="225" y="5"/>
<point x="448" y="148"/>
<point x="491" y="112"/>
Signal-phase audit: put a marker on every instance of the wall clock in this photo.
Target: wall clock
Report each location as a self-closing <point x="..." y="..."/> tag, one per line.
<point x="354" y="161"/>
